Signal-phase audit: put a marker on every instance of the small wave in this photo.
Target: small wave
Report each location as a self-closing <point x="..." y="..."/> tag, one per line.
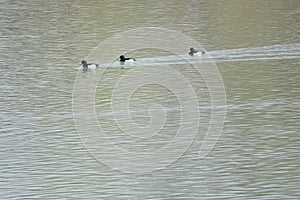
<point x="273" y="52"/>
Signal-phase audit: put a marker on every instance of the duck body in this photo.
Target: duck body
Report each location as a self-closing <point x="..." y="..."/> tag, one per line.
<point x="193" y="52"/>
<point x="86" y="65"/>
<point x="124" y="59"/>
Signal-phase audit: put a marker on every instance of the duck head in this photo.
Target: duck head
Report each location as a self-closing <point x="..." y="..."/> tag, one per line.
<point x="84" y="63"/>
<point x="122" y="58"/>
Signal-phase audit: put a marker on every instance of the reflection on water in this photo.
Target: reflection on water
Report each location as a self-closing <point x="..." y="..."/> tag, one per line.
<point x="256" y="50"/>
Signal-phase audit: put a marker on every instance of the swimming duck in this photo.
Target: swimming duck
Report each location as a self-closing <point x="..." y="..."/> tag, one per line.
<point x="84" y="64"/>
<point x="194" y="52"/>
<point x="123" y="59"/>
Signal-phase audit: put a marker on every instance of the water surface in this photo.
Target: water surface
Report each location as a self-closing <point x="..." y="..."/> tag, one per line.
<point x="255" y="46"/>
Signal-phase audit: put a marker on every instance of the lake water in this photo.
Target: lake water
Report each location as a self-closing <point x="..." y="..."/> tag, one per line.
<point x="43" y="152"/>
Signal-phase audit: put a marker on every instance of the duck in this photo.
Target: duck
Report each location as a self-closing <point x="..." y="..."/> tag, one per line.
<point x="123" y="59"/>
<point x="86" y="65"/>
<point x="194" y="52"/>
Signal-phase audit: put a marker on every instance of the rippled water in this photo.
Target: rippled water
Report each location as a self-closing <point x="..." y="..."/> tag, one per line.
<point x="256" y="48"/>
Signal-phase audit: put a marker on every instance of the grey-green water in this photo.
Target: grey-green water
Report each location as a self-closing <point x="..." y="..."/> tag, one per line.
<point x="255" y="45"/>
